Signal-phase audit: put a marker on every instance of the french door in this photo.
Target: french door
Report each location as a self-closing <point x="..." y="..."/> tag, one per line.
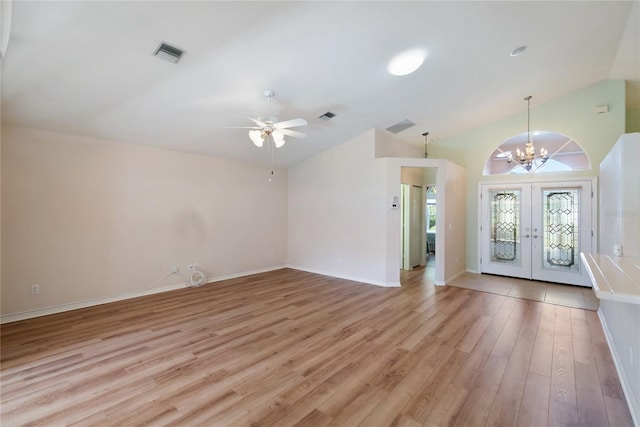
<point x="536" y="230"/>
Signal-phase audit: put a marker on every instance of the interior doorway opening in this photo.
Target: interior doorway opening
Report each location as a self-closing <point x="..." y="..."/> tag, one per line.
<point x="451" y="183"/>
<point x="419" y="216"/>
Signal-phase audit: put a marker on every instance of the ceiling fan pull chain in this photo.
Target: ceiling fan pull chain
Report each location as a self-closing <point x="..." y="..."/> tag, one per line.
<point x="270" y="149"/>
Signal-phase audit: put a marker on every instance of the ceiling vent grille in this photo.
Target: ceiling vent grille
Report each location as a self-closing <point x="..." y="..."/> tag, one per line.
<point x="327" y="116"/>
<point x="400" y="126"/>
<point x="168" y="52"/>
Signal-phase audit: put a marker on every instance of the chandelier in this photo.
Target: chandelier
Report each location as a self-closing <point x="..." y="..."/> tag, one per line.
<point x="528" y="158"/>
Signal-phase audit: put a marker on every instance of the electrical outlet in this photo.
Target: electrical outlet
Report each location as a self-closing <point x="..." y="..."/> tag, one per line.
<point x="630" y="355"/>
<point x="191" y="267"/>
<point x="174" y="269"/>
<point x="35" y="289"/>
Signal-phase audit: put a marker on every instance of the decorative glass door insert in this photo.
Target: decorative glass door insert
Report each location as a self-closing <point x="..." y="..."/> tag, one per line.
<point x="505" y="226"/>
<point x="560" y="236"/>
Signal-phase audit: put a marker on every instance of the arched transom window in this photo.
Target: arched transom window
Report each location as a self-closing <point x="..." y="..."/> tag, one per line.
<point x="563" y="153"/>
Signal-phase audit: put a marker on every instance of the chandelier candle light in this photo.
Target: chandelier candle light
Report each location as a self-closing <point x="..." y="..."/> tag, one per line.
<point x="528" y="157"/>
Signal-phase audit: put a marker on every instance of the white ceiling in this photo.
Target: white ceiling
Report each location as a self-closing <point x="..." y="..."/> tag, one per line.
<point x="87" y="67"/>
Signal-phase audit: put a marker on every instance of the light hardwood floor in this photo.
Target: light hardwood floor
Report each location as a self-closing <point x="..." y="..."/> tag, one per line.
<point x="293" y="348"/>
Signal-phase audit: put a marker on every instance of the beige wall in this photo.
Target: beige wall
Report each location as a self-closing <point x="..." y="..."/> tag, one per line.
<point x="572" y="115"/>
<point x="389" y="145"/>
<point x="88" y="219"/>
<point x="632" y="101"/>
<point x="632" y="121"/>
<point x="340" y="218"/>
<point x="454" y="217"/>
<point x="412" y="176"/>
<point x="337" y="212"/>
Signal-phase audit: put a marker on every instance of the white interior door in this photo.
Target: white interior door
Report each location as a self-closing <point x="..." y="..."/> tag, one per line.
<point x="536" y="230"/>
<point x="416" y="233"/>
<point x="405" y="211"/>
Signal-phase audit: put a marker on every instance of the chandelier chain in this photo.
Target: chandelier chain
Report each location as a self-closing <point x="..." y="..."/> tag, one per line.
<point x="528" y="158"/>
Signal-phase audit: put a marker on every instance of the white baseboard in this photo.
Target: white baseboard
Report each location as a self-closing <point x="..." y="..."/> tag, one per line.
<point x="624" y="381"/>
<point x="342" y="276"/>
<point x="245" y="273"/>
<point x="472" y="271"/>
<point x="45" y="311"/>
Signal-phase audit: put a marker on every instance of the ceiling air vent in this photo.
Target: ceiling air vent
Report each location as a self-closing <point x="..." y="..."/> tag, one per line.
<point x="168" y="52"/>
<point x="400" y="126"/>
<point x="327" y="116"/>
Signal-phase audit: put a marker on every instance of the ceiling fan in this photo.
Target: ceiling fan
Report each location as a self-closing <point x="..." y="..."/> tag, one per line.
<point x="270" y="126"/>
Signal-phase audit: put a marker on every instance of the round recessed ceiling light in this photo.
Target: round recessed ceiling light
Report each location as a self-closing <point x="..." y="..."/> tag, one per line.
<point x="518" y="51"/>
<point x="406" y="63"/>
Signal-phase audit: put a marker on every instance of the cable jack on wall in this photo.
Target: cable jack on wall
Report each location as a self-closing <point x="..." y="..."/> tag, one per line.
<point x="197" y="277"/>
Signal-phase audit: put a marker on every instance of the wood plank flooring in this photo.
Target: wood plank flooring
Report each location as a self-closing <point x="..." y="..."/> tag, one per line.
<point x="289" y="348"/>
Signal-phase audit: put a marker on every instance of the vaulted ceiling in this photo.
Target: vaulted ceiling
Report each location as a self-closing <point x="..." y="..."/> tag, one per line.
<point x="88" y="68"/>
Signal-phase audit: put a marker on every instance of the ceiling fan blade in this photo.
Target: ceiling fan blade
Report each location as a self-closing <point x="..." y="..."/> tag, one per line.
<point x="293" y="133"/>
<point x="290" y="123"/>
<point x="256" y="121"/>
<point x="241" y="127"/>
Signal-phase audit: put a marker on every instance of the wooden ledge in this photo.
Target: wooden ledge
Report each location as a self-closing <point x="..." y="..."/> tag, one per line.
<point x="614" y="278"/>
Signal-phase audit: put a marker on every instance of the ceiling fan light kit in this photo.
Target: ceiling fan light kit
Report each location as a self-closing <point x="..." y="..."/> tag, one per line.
<point x="256" y="137"/>
<point x="269" y="126"/>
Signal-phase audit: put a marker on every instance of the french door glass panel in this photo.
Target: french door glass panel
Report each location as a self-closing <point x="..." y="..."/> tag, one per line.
<point x="505" y="226"/>
<point x="560" y="229"/>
